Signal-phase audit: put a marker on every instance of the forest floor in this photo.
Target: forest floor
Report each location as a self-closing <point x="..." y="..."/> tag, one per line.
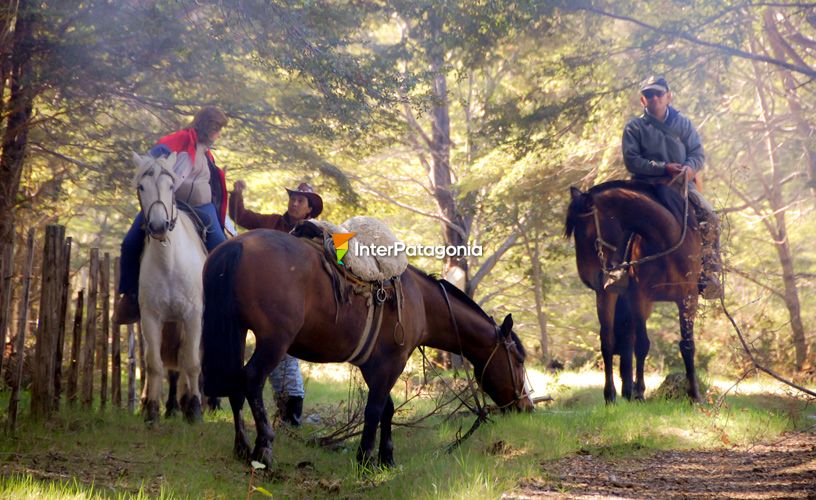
<point x="782" y="468"/>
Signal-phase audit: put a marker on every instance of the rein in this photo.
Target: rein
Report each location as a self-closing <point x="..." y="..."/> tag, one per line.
<point x="508" y="343"/>
<point x="600" y="243"/>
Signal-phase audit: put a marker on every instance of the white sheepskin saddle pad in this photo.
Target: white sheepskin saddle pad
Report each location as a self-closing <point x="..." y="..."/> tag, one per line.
<point x="361" y="261"/>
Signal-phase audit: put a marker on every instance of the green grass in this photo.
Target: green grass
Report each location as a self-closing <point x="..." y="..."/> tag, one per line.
<point x="88" y="454"/>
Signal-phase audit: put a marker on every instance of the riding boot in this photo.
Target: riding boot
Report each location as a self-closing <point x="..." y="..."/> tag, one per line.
<point x="127" y="310"/>
<point x="294" y="410"/>
<point x="710" y="286"/>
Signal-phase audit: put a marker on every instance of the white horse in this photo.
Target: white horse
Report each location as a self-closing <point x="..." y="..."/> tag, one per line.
<point x="170" y="287"/>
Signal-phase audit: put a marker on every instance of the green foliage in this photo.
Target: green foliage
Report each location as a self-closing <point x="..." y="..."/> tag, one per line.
<point x="538" y="93"/>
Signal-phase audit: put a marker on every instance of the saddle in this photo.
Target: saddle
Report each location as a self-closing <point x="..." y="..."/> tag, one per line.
<point x="376" y="278"/>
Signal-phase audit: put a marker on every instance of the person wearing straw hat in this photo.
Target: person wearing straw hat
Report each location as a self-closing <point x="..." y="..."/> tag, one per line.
<point x="304" y="203"/>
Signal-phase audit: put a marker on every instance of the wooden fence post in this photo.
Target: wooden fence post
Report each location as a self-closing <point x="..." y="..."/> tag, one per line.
<point x="76" y="342"/>
<point x="102" y="355"/>
<point x="90" y="331"/>
<point x="63" y="319"/>
<point x="116" y="349"/>
<point x="131" y="368"/>
<point x="6" y="274"/>
<point x="47" y="337"/>
<point x="18" y="375"/>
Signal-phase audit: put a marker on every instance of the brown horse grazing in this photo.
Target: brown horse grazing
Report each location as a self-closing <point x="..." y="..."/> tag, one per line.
<point x="276" y="285"/>
<point x="666" y="262"/>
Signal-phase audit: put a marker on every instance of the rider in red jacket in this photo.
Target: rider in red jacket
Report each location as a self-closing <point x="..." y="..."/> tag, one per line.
<point x="200" y="184"/>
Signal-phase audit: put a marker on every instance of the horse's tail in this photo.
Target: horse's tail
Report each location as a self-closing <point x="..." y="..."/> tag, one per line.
<point x="222" y="333"/>
<point x="623" y="322"/>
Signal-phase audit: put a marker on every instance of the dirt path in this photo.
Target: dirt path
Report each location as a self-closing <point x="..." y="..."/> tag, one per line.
<point x="785" y="468"/>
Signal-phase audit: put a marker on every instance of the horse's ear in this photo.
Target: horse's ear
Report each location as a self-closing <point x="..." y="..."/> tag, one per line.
<point x="575" y="192"/>
<point x="136" y="158"/>
<point x="507" y="325"/>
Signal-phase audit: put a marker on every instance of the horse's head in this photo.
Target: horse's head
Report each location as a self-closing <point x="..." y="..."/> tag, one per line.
<point x="503" y="377"/>
<point x="154" y="182"/>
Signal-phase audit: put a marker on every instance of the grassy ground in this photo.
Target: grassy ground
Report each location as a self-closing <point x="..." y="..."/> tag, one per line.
<point x="111" y="454"/>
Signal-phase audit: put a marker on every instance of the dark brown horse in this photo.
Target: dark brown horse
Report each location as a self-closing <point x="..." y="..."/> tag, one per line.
<point x="666" y="266"/>
<point x="276" y="285"/>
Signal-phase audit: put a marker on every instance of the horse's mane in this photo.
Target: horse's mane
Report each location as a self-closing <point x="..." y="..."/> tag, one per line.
<point x="659" y="193"/>
<point x="465" y="298"/>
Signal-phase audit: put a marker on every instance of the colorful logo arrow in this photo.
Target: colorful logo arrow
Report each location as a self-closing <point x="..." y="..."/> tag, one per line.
<point x="341" y="245"/>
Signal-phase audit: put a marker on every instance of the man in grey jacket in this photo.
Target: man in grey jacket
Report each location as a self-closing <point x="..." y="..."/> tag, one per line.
<point x="663" y="143"/>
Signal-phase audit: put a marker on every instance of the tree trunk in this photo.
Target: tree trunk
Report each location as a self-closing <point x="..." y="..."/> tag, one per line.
<point x="781" y="50"/>
<point x="778" y="231"/>
<point x="18" y="113"/>
<point x="455" y="268"/>
<point x="534" y="253"/>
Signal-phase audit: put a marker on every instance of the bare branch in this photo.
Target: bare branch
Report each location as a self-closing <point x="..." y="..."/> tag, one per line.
<point x="805" y="70"/>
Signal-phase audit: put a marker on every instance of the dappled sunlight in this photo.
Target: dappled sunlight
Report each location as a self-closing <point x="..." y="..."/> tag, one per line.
<point x="761" y="384"/>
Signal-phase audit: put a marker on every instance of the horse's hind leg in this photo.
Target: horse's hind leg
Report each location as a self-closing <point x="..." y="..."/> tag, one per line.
<point x="687" y="310"/>
<point x="642" y="345"/>
<point x="172" y="405"/>
<point x="260" y="365"/>
<point x="241" y="448"/>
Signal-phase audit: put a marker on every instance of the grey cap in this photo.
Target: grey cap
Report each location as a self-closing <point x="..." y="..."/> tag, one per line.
<point x="654" y="83"/>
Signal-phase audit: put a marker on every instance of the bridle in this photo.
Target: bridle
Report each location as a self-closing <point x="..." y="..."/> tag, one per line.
<point x="508" y="343"/>
<point x="171" y="213"/>
<point x="600" y="243"/>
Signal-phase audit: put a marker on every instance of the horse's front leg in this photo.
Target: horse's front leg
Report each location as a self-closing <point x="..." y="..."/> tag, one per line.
<point x="638" y="312"/>
<point x="189" y="360"/>
<point x="151" y="330"/>
<point x="605" y="303"/>
<point x="380" y="377"/>
<point x="688" y="309"/>
<point x="386" y="455"/>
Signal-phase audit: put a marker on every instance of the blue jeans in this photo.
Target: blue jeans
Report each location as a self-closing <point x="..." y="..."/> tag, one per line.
<point x="286" y="379"/>
<point x="133" y="244"/>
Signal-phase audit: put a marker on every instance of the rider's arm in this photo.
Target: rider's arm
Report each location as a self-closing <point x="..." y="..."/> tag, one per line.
<point x="247" y="218"/>
<point x="633" y="157"/>
<point x="695" y="157"/>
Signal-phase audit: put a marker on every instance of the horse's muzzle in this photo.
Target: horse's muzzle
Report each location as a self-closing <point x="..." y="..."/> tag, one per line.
<point x="158" y="231"/>
<point x="525" y="405"/>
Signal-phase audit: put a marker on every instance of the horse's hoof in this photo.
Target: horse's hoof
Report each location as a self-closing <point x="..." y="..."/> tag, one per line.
<point x="152" y="413"/>
<point x="213" y="404"/>
<point x="387" y="460"/>
<point x="171" y="408"/>
<point x="264" y="455"/>
<point x="193" y="410"/>
<point x="241" y="449"/>
<point x="364" y="459"/>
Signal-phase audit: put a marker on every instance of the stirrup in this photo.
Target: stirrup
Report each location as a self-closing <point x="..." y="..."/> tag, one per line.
<point x="616" y="281"/>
